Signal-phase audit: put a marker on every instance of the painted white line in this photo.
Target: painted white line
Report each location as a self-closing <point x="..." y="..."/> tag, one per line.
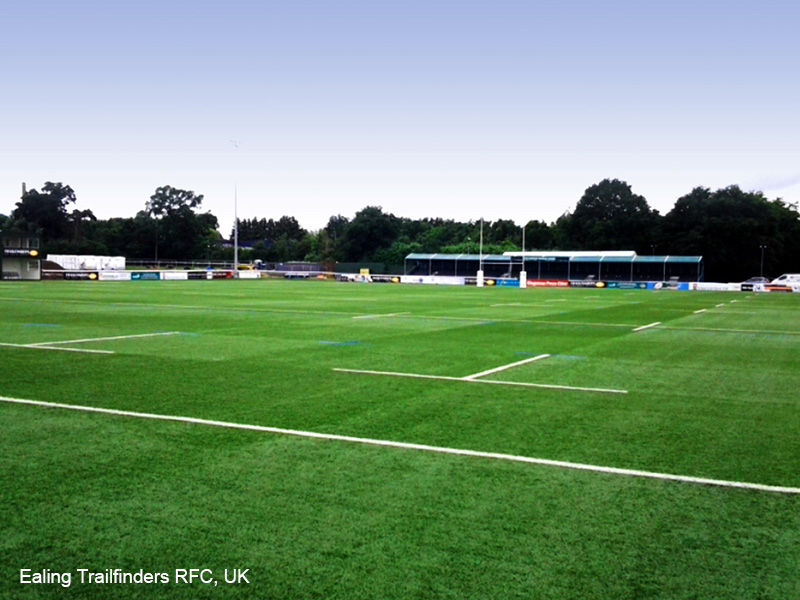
<point x="381" y="315"/>
<point x="643" y="327"/>
<point x="103" y="339"/>
<point x="720" y="305"/>
<point x="724" y="330"/>
<point x="37" y="347"/>
<point x="506" y="304"/>
<point x="702" y="310"/>
<point x="421" y="447"/>
<point x="503" y="368"/>
<point x="488" y="381"/>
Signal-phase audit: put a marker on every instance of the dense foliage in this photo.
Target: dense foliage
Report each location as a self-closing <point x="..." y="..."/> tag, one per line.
<point x="740" y="234"/>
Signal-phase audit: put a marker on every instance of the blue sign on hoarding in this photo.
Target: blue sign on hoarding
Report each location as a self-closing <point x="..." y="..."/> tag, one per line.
<point x="145" y="276"/>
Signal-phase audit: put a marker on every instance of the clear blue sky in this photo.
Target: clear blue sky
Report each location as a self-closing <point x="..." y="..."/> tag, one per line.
<point x="435" y="108"/>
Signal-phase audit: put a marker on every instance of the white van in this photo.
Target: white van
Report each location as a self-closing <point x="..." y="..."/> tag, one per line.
<point x="787" y="279"/>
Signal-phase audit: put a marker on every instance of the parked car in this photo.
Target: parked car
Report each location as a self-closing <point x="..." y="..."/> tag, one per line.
<point x="786" y="279"/>
<point x="757" y="280"/>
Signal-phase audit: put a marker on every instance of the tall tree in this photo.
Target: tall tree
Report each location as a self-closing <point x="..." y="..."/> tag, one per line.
<point x="728" y="227"/>
<point x="45" y="212"/>
<point x="179" y="232"/>
<point x="369" y="231"/>
<point x="538" y="236"/>
<point x="609" y="216"/>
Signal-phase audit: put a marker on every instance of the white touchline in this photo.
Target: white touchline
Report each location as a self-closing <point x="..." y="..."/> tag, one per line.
<point x="38" y="347"/>
<point x="503" y="368"/>
<point x="648" y="326"/>
<point x="724" y="330"/>
<point x="104" y="339"/>
<point x="422" y="447"/>
<point x="488" y="381"/>
<point x="380" y="315"/>
<point x="702" y="310"/>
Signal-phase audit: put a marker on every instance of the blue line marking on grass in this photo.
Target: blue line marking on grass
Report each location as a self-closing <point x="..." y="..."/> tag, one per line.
<point x="348" y="343"/>
<point x="42" y="325"/>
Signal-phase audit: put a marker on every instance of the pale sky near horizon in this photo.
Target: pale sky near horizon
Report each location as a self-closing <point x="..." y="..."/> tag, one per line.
<point x="495" y="109"/>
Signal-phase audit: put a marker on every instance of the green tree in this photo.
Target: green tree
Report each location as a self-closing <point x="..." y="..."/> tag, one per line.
<point x="727" y="227"/>
<point x="333" y="239"/>
<point x="609" y="216"/>
<point x="501" y="231"/>
<point x="369" y="231"/>
<point x="46" y="212"/>
<point x="538" y="236"/>
<point x="181" y="233"/>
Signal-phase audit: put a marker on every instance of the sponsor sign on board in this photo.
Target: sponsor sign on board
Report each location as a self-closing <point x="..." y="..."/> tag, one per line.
<point x="174" y="275"/>
<point x="548" y="283"/>
<point x="433" y="279"/>
<point x="587" y="284"/>
<point x="627" y="285"/>
<point x="76" y="275"/>
<point x="20" y="252"/>
<point x="115" y="276"/>
<point x="145" y="275"/>
<point x="706" y="286"/>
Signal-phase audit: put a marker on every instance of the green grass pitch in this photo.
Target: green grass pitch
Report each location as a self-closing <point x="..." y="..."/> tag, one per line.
<point x="711" y="392"/>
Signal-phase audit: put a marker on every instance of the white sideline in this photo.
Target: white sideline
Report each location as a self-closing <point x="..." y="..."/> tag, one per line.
<point x="643" y="327"/>
<point x="40" y="347"/>
<point x="504" y="367"/>
<point x="489" y="381"/>
<point x="376" y="316"/>
<point x="104" y="339"/>
<point x="422" y="447"/>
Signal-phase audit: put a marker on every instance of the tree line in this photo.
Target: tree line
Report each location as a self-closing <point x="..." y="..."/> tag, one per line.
<point x="739" y="234"/>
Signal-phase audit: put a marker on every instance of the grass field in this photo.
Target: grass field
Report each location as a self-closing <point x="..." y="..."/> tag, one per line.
<point x="710" y="392"/>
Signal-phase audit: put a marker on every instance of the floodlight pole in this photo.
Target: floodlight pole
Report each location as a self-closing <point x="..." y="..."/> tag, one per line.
<point x="480" y="258"/>
<point x="235" y="231"/>
<point x="523" y="274"/>
<point x="763" y="247"/>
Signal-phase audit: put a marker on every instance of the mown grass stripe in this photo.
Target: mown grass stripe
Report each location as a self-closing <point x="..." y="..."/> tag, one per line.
<point x="420" y="447"/>
<point x="488" y="381"/>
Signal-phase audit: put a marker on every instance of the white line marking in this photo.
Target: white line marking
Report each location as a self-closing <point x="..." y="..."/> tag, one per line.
<point x="724" y="330"/>
<point x="381" y="315"/>
<point x="321" y="312"/>
<point x="37" y="347"/>
<point x="702" y="310"/>
<point x="643" y="327"/>
<point x="489" y="381"/>
<point x="503" y="368"/>
<point x="422" y="447"/>
<point x="720" y="305"/>
<point x="103" y="339"/>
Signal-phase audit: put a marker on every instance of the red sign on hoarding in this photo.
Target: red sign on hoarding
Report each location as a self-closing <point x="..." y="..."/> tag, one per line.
<point x="548" y="283"/>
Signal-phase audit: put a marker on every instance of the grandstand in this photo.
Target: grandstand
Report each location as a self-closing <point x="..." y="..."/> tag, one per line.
<point x="571" y="266"/>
